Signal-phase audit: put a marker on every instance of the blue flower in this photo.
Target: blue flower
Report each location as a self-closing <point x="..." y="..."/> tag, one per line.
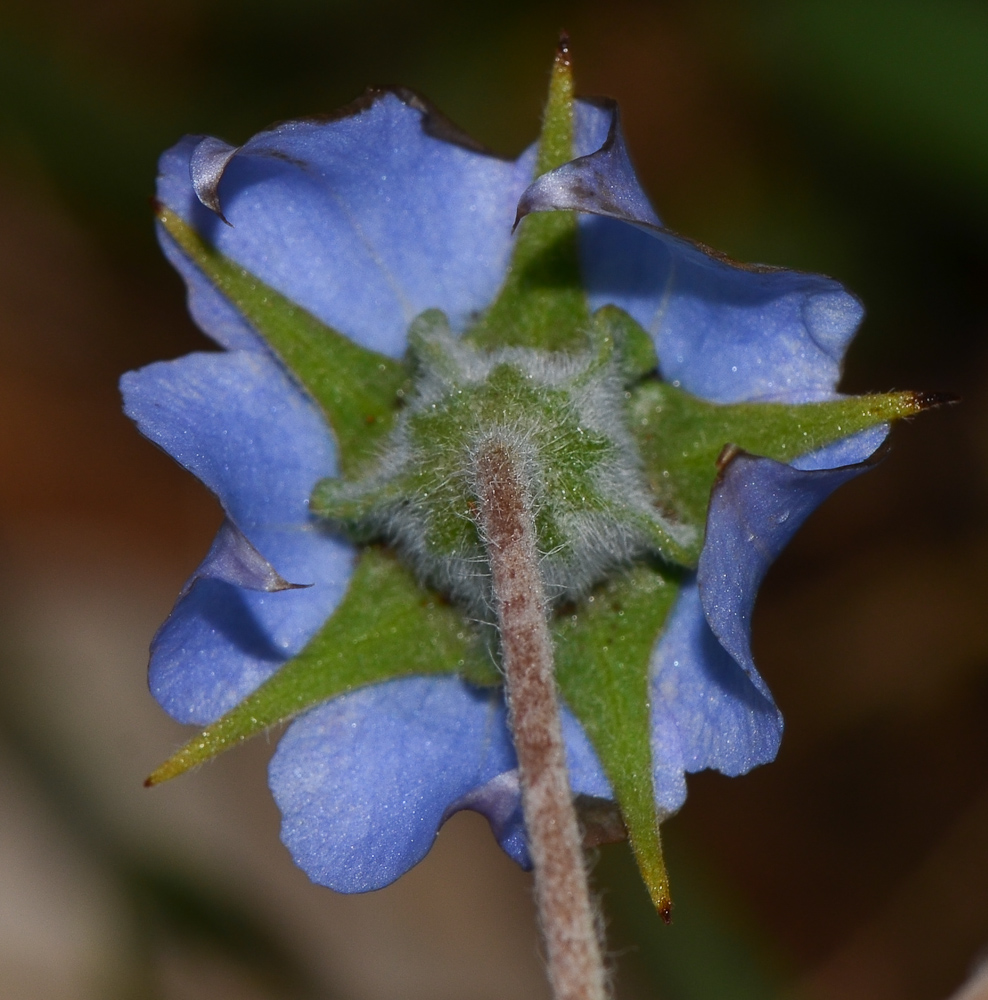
<point x="366" y="220"/>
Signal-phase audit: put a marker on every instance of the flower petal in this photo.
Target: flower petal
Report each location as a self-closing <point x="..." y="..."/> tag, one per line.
<point x="724" y="331"/>
<point x="241" y="425"/>
<point x="235" y="560"/>
<point x="586" y="776"/>
<point x="711" y="707"/>
<point x="206" y="165"/>
<point x="756" y="506"/>
<point x="211" y="310"/>
<point x="499" y="800"/>
<point x="706" y="711"/>
<point x="365" y="781"/>
<point x="602" y="182"/>
<point x="365" y="220"/>
<point x="848" y="451"/>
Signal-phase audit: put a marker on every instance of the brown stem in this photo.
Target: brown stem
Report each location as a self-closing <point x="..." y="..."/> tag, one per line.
<point x="573" y="953"/>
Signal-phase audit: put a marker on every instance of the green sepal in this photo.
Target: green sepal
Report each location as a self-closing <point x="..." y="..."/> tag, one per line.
<point x="352" y="506"/>
<point x="356" y="388"/>
<point x="386" y="626"/>
<point x="603" y="650"/>
<point x="681" y="437"/>
<point x="542" y="303"/>
<point x="637" y="351"/>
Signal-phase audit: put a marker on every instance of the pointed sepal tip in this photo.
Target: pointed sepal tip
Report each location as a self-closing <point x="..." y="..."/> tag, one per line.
<point x="556" y="140"/>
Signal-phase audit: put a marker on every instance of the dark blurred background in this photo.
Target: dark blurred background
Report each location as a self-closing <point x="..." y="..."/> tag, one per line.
<point x="847" y="136"/>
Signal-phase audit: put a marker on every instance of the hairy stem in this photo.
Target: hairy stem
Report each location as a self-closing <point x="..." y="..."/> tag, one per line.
<point x="573" y="952"/>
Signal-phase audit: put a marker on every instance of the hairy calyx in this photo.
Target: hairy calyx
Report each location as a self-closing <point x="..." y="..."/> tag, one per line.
<point x="563" y="416"/>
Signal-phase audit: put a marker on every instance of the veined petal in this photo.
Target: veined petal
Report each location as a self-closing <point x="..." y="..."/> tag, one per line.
<point x="255" y="439"/>
<point x="725" y="331"/>
<point x="365" y="220"/>
<point x="707" y="712"/>
<point x="365" y="781"/>
<point x="239" y="423"/>
<point x="602" y="181"/>
<point x="722" y="331"/>
<point x="756" y="506"/>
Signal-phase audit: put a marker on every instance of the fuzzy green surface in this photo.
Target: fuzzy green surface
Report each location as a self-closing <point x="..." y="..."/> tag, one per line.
<point x="442" y="439"/>
<point x="563" y="415"/>
<point x="542" y="303"/>
<point x="603" y="648"/>
<point x="680" y="437"/>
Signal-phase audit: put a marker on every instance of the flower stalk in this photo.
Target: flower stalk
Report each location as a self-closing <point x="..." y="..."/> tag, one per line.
<point x="507" y="525"/>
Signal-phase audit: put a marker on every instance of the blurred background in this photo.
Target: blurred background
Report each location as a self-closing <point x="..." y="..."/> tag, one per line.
<point x="847" y="136"/>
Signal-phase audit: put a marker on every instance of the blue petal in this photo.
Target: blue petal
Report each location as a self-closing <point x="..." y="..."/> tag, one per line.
<point x="603" y="181"/>
<point x="593" y="125"/>
<point x="706" y="711"/>
<point x="234" y="559"/>
<point x="724" y="331"/>
<point x="365" y="781"/>
<point x="238" y="422"/>
<point x="242" y="426"/>
<point x="586" y="776"/>
<point x="847" y="451"/>
<point x="365" y="220"/>
<point x="206" y="166"/>
<point x="212" y="311"/>
<point x="710" y="706"/>
<point x="756" y="506"/>
<point x="500" y="799"/>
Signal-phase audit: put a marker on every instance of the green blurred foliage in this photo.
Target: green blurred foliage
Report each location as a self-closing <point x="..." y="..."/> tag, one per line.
<point x="908" y="80"/>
